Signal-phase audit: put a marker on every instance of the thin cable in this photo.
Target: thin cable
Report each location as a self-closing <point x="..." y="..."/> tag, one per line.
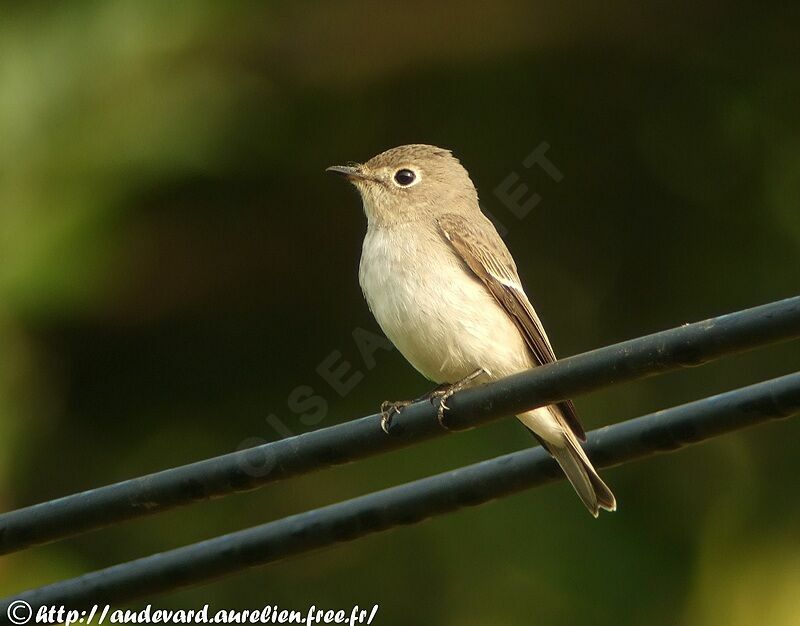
<point x="685" y="346"/>
<point x="664" y="431"/>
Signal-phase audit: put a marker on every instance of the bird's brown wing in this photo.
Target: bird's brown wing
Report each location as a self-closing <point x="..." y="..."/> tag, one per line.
<point x="483" y="251"/>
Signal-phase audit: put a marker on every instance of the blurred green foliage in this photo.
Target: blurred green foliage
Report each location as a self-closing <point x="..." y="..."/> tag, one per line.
<point x="174" y="262"/>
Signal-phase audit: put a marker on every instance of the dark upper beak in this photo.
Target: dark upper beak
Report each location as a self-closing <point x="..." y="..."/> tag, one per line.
<point x="348" y="171"/>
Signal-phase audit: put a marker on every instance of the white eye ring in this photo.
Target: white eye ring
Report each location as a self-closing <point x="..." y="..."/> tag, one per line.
<point x="406" y="177"/>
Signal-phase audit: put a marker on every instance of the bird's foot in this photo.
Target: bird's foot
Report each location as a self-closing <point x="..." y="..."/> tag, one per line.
<point x="389" y="409"/>
<point x="444" y="392"/>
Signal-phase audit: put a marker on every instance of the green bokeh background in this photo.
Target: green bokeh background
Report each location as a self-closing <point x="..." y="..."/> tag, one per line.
<point x="174" y="262"/>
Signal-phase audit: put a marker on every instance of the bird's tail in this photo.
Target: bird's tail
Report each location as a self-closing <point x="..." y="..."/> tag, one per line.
<point x="565" y="448"/>
<point x="591" y="489"/>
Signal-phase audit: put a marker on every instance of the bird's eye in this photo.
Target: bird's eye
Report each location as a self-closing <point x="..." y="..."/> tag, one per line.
<point x="404" y="177"/>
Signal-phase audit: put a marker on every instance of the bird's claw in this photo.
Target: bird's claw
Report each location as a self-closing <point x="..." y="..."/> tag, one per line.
<point x="441" y="394"/>
<point x="444" y="392"/>
<point x="439" y="398"/>
<point x="443" y="398"/>
<point x="388" y="410"/>
<point x="440" y="413"/>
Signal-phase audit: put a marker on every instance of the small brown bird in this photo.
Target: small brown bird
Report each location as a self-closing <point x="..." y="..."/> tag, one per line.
<point x="444" y="288"/>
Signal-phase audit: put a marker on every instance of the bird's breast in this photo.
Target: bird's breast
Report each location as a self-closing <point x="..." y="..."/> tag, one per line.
<point x="438" y="314"/>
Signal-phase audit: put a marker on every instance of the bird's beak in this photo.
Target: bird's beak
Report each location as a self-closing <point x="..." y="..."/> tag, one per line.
<point x="349" y="172"/>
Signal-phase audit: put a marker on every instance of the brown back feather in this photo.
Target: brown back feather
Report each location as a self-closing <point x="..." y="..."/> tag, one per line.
<point x="483" y="251"/>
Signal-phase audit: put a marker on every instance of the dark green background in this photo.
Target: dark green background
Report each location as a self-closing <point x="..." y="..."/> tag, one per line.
<point x="174" y="263"/>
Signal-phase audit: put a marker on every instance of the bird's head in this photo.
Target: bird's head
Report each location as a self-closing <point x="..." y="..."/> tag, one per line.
<point x="410" y="182"/>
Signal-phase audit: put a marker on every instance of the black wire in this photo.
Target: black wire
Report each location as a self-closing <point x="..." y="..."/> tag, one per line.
<point x="665" y="431"/>
<point x="685" y="346"/>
